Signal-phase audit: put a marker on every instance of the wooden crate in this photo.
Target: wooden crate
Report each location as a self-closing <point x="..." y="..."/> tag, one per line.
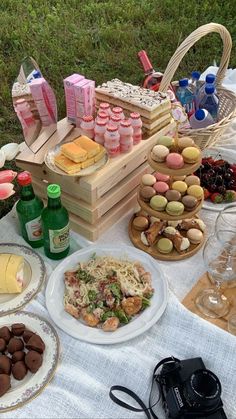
<point x="97" y="201"/>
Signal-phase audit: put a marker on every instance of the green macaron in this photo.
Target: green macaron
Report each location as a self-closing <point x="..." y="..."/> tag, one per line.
<point x="175" y="208"/>
<point x="164" y="245"/>
<point x="158" y="203"/>
<point x="165" y="140"/>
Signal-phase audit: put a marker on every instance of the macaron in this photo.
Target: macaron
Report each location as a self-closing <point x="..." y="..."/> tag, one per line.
<point x="140" y="223"/>
<point x="179" y="186"/>
<point x="147" y="192"/>
<point x="174" y="161"/>
<point x="165" y="140"/>
<point x="178" y="178"/>
<point x="191" y="155"/>
<point x="161" y="187"/>
<point x="159" y="153"/>
<point x="158" y="203"/>
<point x="171" y="231"/>
<point x="192" y="180"/>
<point x="148" y="180"/>
<point x="164" y="245"/>
<point x="190" y="202"/>
<point x="175" y="208"/>
<point x="194" y="235"/>
<point x="184" y="142"/>
<point x="161" y="177"/>
<point x="196" y="191"/>
<point x="172" y="195"/>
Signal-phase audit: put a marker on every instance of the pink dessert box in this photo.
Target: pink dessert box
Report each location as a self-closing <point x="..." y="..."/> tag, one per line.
<point x="45" y="101"/>
<point x="69" y="83"/>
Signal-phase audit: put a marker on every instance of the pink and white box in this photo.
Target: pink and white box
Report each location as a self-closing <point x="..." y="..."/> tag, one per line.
<point x="69" y="83"/>
<point x="45" y="100"/>
<point x="85" y="98"/>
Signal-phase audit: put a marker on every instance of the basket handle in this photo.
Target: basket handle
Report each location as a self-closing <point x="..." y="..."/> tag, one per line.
<point x="189" y="42"/>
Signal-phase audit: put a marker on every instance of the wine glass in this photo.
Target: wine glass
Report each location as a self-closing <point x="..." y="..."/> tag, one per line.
<point x="225" y="226"/>
<point x="220" y="260"/>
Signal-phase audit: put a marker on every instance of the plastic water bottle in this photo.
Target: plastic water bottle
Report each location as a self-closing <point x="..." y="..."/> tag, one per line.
<point x="195" y="84"/>
<point x="185" y="96"/>
<point x="210" y="101"/>
<point x="210" y="79"/>
<point x="201" y="119"/>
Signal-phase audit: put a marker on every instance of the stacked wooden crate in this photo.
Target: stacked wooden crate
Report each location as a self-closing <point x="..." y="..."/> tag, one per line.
<point x="154" y="107"/>
<point x="97" y="201"/>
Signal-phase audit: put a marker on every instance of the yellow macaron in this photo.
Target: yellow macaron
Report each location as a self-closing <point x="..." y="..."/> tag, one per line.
<point x="196" y="191"/>
<point x="191" y="154"/>
<point x="179" y="186"/>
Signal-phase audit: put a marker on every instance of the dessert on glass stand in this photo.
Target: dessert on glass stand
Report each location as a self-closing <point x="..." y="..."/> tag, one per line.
<point x="165" y="223"/>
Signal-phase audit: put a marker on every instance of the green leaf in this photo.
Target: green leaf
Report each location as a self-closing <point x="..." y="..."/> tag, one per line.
<point x="121" y="316"/>
<point x="92" y="295"/>
<point x="106" y="315"/>
<point x="115" y="289"/>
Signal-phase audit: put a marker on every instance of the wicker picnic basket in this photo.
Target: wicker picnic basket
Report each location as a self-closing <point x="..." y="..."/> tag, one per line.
<point x="206" y="137"/>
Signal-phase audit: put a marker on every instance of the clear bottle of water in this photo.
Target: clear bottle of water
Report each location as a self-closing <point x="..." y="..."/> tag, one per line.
<point x="210" y="79"/>
<point x="201" y="119"/>
<point x="185" y="96"/>
<point x="210" y="101"/>
<point x="195" y="84"/>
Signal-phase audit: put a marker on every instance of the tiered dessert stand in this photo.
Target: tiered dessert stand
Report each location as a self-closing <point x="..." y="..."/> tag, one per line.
<point x="135" y="235"/>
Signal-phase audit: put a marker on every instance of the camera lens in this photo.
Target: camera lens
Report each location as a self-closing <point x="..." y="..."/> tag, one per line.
<point x="203" y="389"/>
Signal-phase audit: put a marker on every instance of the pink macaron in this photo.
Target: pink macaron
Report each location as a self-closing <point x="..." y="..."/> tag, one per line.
<point x="160" y="177"/>
<point x="174" y="161"/>
<point x="161" y="187"/>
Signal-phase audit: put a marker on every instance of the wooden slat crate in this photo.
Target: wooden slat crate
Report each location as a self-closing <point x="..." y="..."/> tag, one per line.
<point x="97" y="201"/>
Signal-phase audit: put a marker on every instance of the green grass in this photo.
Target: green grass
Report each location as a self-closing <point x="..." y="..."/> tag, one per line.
<point x="100" y="39"/>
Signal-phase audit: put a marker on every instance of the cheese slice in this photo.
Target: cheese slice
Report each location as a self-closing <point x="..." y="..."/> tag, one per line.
<point x="11" y="273"/>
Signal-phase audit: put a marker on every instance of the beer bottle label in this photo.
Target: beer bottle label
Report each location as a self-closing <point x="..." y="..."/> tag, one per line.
<point x="34" y="229"/>
<point x="59" y="239"/>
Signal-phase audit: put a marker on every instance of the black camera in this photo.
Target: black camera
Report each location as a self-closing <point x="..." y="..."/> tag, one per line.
<point x="189" y="390"/>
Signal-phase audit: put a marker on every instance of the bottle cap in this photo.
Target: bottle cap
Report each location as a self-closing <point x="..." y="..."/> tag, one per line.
<point x="210" y="78"/>
<point x="117" y="109"/>
<point x="101" y="123"/>
<point x="125" y="123"/>
<point x="104" y="105"/>
<point x="111" y="128"/>
<point x="115" y="118"/>
<point x="53" y="191"/>
<point x="195" y="75"/>
<point x="135" y="115"/>
<point x="102" y="115"/>
<point x="209" y="89"/>
<point x="24" y="178"/>
<point x="87" y="118"/>
<point x="200" y="114"/>
<point x="183" y="82"/>
<point x="37" y="74"/>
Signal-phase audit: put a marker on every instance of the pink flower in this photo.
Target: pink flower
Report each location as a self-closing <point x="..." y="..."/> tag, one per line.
<point x="7" y="176"/>
<point x="6" y="190"/>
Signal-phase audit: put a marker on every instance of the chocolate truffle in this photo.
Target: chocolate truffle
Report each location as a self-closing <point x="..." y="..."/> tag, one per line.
<point x="33" y="361"/>
<point x="15" y="345"/>
<point x="5" y="365"/>
<point x="18" y="356"/>
<point x="5" y="384"/>
<point x="27" y="335"/>
<point x="18" y="329"/>
<point x="35" y="343"/>
<point x="2" y="345"/>
<point x="5" y="333"/>
<point x="19" y="370"/>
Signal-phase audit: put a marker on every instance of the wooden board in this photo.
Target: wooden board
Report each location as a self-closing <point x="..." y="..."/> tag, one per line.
<point x="153" y="251"/>
<point x="91" y="188"/>
<point x="93" y="232"/>
<point x="229" y="290"/>
<point x="92" y="213"/>
<point x="187" y="169"/>
<point x="163" y="214"/>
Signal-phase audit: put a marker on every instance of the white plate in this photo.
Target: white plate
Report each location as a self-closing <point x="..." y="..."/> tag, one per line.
<point x="23" y="391"/>
<point x="49" y="161"/>
<point x="141" y="323"/>
<point x="34" y="275"/>
<point x="226" y="155"/>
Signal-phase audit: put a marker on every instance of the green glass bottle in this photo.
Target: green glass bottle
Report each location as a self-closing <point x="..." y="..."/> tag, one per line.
<point x="29" y="209"/>
<point x="55" y="220"/>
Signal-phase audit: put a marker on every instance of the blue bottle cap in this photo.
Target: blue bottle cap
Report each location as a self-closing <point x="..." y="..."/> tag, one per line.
<point x="195" y="75"/>
<point x="209" y="89"/>
<point x="200" y="114"/>
<point x="210" y="78"/>
<point x="36" y="74"/>
<point x="183" y="82"/>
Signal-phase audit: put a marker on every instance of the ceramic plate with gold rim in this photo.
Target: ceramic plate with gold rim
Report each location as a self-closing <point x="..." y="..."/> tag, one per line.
<point x="50" y="163"/>
<point x="23" y="391"/>
<point x="34" y="275"/>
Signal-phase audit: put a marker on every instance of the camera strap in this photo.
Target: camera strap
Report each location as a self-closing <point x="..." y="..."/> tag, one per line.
<point x="144" y="408"/>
